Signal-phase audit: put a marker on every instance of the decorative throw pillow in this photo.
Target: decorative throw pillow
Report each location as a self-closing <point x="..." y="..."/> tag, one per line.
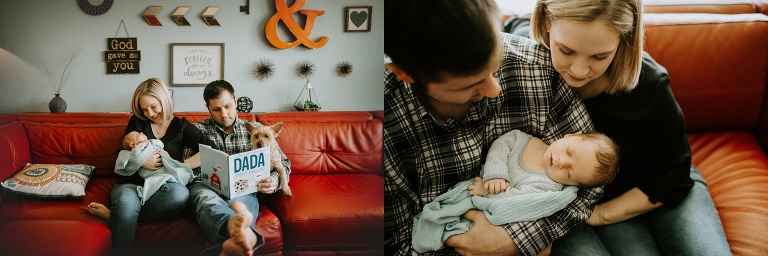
<point x="50" y="181"/>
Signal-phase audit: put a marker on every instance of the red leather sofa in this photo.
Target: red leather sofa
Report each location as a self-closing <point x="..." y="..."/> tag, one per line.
<point x="337" y="205"/>
<point x="717" y="58"/>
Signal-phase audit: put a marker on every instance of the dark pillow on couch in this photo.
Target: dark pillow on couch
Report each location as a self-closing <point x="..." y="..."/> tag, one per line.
<point x="50" y="181"/>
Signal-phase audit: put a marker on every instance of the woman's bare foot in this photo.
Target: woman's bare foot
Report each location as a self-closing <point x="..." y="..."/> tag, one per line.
<point x="241" y="238"/>
<point x="98" y="210"/>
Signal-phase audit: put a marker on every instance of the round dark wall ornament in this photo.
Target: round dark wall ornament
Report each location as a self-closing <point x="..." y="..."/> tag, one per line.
<point x="264" y="69"/>
<point x="344" y="69"/>
<point x="244" y="104"/>
<point x="95" y="7"/>
<point x="305" y="69"/>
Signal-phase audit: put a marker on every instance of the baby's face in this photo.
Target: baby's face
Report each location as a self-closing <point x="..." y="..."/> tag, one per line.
<point x="139" y="138"/>
<point x="571" y="160"/>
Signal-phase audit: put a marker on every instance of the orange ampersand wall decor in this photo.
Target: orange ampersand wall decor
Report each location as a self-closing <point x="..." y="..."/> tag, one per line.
<point x="302" y="34"/>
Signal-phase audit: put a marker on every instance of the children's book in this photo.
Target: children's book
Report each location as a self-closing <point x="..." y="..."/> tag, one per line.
<point x="233" y="175"/>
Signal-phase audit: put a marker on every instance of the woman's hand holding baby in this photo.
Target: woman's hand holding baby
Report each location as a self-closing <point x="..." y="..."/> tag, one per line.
<point x="153" y="162"/>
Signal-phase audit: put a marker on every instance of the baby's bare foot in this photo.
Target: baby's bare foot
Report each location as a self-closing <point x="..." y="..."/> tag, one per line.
<point x="98" y="210"/>
<point x="241" y="238"/>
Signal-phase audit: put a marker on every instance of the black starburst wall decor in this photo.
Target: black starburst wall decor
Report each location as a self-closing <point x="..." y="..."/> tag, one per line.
<point x="264" y="69"/>
<point x="305" y="69"/>
<point x="344" y="69"/>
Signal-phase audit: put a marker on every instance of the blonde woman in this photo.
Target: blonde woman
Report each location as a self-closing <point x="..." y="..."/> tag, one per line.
<point x="152" y="115"/>
<point x="659" y="203"/>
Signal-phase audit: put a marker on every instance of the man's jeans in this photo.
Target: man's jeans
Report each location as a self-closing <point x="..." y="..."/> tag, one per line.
<point x="126" y="210"/>
<point x="691" y="228"/>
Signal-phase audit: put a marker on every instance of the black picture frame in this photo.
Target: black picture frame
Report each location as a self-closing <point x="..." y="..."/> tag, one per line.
<point x="358" y="19"/>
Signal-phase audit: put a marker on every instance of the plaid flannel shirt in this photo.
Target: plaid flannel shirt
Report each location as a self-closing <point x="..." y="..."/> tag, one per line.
<point x="237" y="142"/>
<point x="425" y="155"/>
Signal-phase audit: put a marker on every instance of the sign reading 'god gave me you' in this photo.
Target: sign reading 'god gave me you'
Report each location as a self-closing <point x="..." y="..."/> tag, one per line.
<point x="122" y="56"/>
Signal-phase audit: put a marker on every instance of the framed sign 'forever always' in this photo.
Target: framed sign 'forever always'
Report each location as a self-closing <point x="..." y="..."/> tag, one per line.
<point x="196" y="64"/>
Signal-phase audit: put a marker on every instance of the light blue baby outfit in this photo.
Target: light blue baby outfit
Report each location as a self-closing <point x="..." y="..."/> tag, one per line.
<point x="530" y="195"/>
<point x="172" y="171"/>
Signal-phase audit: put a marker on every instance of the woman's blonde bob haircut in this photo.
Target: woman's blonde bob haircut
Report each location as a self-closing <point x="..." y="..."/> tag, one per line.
<point x="156" y="88"/>
<point x="625" y="16"/>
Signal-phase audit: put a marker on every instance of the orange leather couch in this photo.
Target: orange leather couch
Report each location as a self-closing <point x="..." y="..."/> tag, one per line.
<point x="717" y="59"/>
<point x="337" y="206"/>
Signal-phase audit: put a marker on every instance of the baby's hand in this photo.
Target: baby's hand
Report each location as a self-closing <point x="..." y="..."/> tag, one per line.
<point x="476" y="188"/>
<point x="496" y="185"/>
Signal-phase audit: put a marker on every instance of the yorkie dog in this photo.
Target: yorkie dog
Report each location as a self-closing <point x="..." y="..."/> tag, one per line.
<point x="266" y="136"/>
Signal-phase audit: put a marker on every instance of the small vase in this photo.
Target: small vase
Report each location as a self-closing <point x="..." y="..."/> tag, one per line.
<point x="57" y="105"/>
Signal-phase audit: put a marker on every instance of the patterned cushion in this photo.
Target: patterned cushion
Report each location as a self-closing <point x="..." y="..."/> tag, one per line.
<point x="50" y="181"/>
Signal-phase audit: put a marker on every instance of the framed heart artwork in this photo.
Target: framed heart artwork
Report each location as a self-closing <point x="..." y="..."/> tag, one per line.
<point x="358" y="19"/>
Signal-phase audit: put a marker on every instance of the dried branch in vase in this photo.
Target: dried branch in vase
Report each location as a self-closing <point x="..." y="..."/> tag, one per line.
<point x="64" y="74"/>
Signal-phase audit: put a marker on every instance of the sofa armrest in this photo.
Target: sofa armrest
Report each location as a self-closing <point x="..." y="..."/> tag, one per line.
<point x="14" y="149"/>
<point x="736" y="172"/>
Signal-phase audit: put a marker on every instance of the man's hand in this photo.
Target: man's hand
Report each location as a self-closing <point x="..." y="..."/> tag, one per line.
<point x="153" y="162"/>
<point x="483" y="238"/>
<point x="496" y="185"/>
<point x="268" y="185"/>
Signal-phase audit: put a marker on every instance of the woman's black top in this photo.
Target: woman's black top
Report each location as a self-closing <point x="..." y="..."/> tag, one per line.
<point x="180" y="134"/>
<point x="648" y="126"/>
